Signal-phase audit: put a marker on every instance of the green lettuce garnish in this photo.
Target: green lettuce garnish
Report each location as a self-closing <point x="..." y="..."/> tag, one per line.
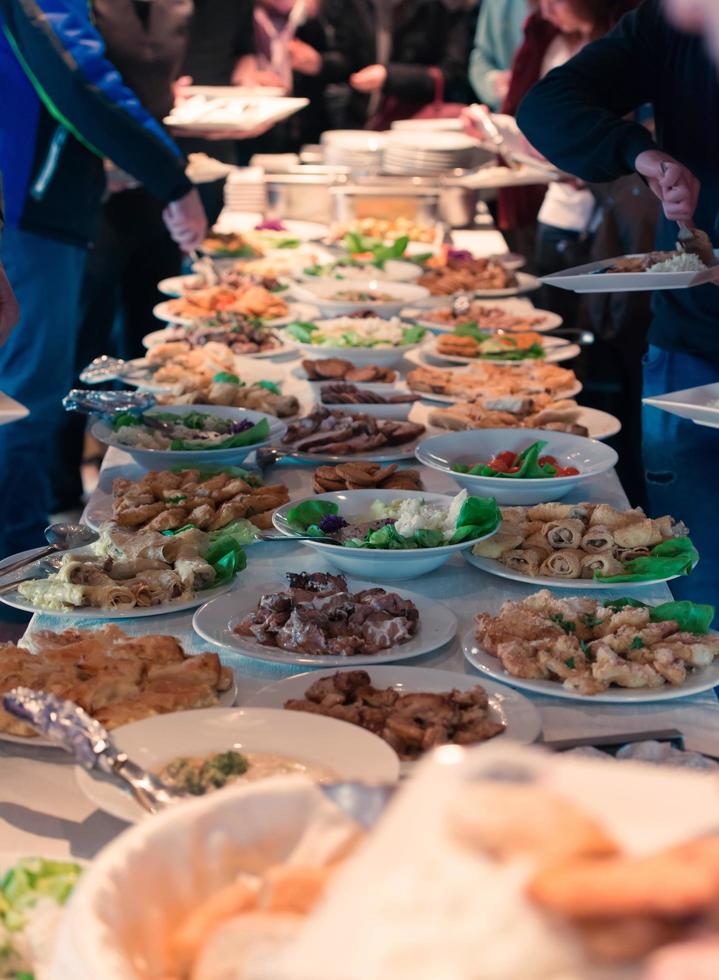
<point x="478" y="517"/>
<point x="249" y="437"/>
<point x="225" y="377"/>
<point x="678" y="556"/>
<point x="306" y="516"/>
<point x="270" y="386"/>
<point x="302" y="331"/>
<point x="413" y="334"/>
<point x="691" y="617"/>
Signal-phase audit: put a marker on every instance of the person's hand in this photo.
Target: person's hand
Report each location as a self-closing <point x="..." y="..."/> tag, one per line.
<point x="304" y="58"/>
<point x="186" y="221"/>
<point x="369" y="79"/>
<point x="501" y="84"/>
<point x="248" y="74"/>
<point x="9" y="309"/>
<point x="198" y="133"/>
<point x="179" y="88"/>
<point x="469" y="116"/>
<point x="675" y="186"/>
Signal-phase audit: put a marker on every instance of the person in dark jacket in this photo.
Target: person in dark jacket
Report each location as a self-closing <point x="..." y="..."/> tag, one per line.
<point x="577" y="117"/>
<point x="382" y="50"/>
<point x="69" y="109"/>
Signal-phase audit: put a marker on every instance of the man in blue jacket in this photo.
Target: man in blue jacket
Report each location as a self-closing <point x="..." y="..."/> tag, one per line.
<point x="65" y="108"/>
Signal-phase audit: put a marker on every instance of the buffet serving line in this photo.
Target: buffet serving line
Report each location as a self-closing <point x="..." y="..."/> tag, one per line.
<point x="468" y="575"/>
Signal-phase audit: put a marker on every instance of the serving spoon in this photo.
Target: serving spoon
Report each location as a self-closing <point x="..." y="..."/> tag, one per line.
<point x="60" y="537"/>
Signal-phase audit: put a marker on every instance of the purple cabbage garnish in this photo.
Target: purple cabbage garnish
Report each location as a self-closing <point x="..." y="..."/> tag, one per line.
<point x="331" y="524"/>
<point x="243" y="426"/>
<point x="271" y="224"/>
<point x="460" y="254"/>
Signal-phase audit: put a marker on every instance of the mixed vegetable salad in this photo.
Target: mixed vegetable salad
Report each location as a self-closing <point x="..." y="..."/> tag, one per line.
<point x="191" y="431"/>
<point x="406" y="523"/>
<point x="527" y="465"/>
<point x="348" y="332"/>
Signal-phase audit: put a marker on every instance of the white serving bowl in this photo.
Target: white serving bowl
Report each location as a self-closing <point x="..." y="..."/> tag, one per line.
<point x="394" y="270"/>
<point x="398" y="411"/>
<point x="324" y="293"/>
<point x="359" y="356"/>
<point x="590" y="457"/>
<point x="381" y="565"/>
<point x="155" y="874"/>
<point x="163" y="458"/>
<point x="153" y="742"/>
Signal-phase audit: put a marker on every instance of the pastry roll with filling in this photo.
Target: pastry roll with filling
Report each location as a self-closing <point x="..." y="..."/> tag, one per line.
<point x="566" y="563"/>
<point x="610" y="517"/>
<point x="557" y="511"/>
<point x="598" y="538"/>
<point x="624" y="555"/>
<point x="564" y="533"/>
<point x="506" y="539"/>
<point x="640" y="534"/>
<point x="514" y="515"/>
<point x="605" y="563"/>
<point x="524" y="560"/>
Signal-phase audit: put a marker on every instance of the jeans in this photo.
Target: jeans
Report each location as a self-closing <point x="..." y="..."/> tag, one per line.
<point x="681" y="465"/>
<point x="36" y="368"/>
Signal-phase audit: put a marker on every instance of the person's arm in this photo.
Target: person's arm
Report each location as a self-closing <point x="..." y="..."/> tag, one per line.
<point x="64" y="57"/>
<point x="483" y="68"/>
<point x="575" y="115"/>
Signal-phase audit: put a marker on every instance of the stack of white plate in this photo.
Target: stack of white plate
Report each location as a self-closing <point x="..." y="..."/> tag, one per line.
<point x="354" y="148"/>
<point x="421" y="153"/>
<point x="245" y="190"/>
<point x="428" y="125"/>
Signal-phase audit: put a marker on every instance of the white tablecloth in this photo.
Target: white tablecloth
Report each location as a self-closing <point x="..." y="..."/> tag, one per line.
<point x="43" y="811"/>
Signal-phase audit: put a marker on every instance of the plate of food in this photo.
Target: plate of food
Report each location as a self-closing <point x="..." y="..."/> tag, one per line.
<point x="350" y="619"/>
<point x="442" y="706"/>
<point x="116" y="677"/>
<point x="357" y="475"/>
<point x="238" y="113"/>
<point x="619" y="651"/>
<point x="517" y="316"/>
<point x="587" y="546"/>
<point x="335" y="437"/>
<point x="564" y="415"/>
<point x="208" y="497"/>
<point x="33" y="892"/>
<point x="517" y="466"/>
<point x="254" y="302"/>
<point x="128" y="574"/>
<point x="389" y="534"/>
<point x="360" y="235"/>
<point x="373" y="399"/>
<point x="457" y="271"/>
<point x="637" y="273"/>
<point x="271" y="234"/>
<point x="467" y="344"/>
<point x="189" y="434"/>
<point x="494" y="382"/>
<point x="209" y="750"/>
<point x="236" y="279"/>
<point x="360" y="339"/>
<point x="242" y="335"/>
<point x="382" y="297"/>
<point x="337" y="369"/>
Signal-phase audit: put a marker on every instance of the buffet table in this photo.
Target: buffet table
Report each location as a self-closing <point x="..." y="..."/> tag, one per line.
<point x="43" y="811"/>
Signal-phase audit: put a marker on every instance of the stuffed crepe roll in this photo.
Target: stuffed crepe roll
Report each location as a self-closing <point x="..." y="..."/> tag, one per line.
<point x="524" y="560"/>
<point x="597" y="539"/>
<point x="604" y="562"/>
<point x="565" y="533"/>
<point x="566" y="563"/>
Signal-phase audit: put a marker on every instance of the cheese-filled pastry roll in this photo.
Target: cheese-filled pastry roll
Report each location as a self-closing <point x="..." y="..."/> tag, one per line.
<point x="524" y="560"/>
<point x="642" y="533"/>
<point x="604" y="562"/>
<point x="566" y="563"/>
<point x="597" y="539"/>
<point x="566" y="533"/>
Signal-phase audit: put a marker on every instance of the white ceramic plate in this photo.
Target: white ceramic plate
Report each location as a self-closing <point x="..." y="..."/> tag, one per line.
<point x="549" y="320"/>
<point x="588" y="279"/>
<point x="470" y="446"/>
<point x="170" y="334"/>
<point x="353" y="753"/>
<point x="299" y="373"/>
<point x="494" y="567"/>
<point x="239" y="114"/>
<point x="380" y="564"/>
<point x="525" y="284"/>
<point x="241" y="221"/>
<point x="600" y="425"/>
<point x="701" y="404"/>
<point x="489" y="666"/>
<point x="215" y="621"/>
<point x="226" y="700"/>
<point x="394" y="270"/>
<point x="10" y="410"/>
<point x="160" y="458"/>
<point x="452" y="399"/>
<point x="556" y="350"/>
<point x="523" y="721"/>
<point x="326" y="293"/>
<point x="296" y="311"/>
<point x="385" y="454"/>
<point x="358" y="356"/>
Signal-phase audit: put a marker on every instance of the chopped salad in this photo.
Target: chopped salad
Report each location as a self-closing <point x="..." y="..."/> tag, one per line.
<point x="32" y="894"/>
<point x="348" y="332"/>
<point x="192" y="431"/>
<point x="405" y="523"/>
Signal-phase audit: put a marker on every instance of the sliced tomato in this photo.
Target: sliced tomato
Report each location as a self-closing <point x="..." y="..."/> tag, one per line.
<point x="567" y="471"/>
<point x="552" y="460"/>
<point x="507" y="457"/>
<point x="498" y="465"/>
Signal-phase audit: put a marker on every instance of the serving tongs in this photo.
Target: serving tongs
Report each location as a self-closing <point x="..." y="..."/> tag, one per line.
<point x="205" y="267"/>
<point x="60" y="538"/>
<point x="72" y="729"/>
<point x="107" y="403"/>
<point x="106" y="368"/>
<point x="484" y="121"/>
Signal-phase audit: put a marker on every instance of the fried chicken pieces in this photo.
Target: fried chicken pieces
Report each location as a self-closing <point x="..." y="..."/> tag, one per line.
<point x="588" y="647"/>
<point x="115" y="677"/>
<point x="622" y="906"/>
<point x="163" y="500"/>
<point x="411" y="723"/>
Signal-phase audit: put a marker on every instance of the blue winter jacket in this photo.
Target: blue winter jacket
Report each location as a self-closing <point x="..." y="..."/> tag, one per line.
<point x="63" y="107"/>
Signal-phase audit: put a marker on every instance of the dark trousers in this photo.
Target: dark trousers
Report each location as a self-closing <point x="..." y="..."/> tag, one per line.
<point x="132" y="253"/>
